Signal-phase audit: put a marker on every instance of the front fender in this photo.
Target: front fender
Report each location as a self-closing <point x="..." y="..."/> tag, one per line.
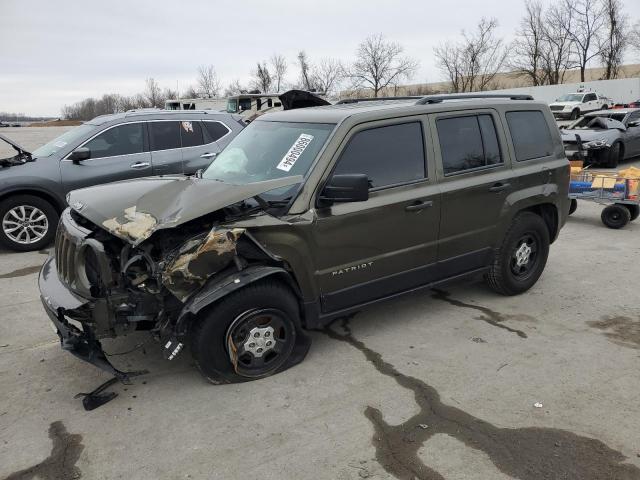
<point x="220" y="286"/>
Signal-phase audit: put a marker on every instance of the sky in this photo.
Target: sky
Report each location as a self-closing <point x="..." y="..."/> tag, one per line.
<point x="54" y="53"/>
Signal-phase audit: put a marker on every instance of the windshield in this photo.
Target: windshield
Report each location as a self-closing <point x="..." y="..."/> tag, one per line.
<point x="232" y="105"/>
<point x="269" y="150"/>
<point x="63" y="140"/>
<point x="571" y="97"/>
<point x="590" y="122"/>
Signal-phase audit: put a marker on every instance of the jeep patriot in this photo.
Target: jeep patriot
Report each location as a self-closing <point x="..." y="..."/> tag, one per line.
<point x="306" y="216"/>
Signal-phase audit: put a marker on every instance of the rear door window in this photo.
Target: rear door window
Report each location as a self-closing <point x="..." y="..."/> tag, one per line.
<point x="530" y="134"/>
<point x="389" y="155"/>
<point x="214" y="131"/>
<point x="164" y="135"/>
<point x="468" y="143"/>
<point x="191" y="134"/>
<point x="121" y="140"/>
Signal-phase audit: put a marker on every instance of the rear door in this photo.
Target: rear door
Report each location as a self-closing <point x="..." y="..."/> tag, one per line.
<point x="119" y="152"/>
<point x="387" y="244"/>
<point x="166" y="146"/>
<point x="475" y="178"/>
<point x="200" y="143"/>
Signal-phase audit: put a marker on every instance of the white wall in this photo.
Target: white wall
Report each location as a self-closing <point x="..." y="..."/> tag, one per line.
<point x="621" y="90"/>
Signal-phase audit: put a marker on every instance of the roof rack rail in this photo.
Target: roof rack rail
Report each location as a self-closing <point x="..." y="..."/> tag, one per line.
<point x="375" y="99"/>
<point x="464" y="96"/>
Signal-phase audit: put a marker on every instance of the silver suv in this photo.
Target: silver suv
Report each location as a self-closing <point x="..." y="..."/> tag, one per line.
<point x="33" y="185"/>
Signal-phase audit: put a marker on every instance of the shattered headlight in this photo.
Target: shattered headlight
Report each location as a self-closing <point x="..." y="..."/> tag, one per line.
<point x="596" y="144"/>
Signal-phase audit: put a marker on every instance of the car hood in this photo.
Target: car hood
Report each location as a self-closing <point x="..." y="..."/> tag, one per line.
<point x="134" y="209"/>
<point x="23" y="155"/>
<point x="589" y="135"/>
<point x="564" y="104"/>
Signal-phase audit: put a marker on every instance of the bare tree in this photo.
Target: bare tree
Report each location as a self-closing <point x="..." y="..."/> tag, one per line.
<point x="585" y="30"/>
<point x="153" y="94"/>
<point x="557" y="48"/>
<point x="208" y="82"/>
<point x="262" y="78"/>
<point x="615" y="42"/>
<point x="306" y="80"/>
<point x="279" y="67"/>
<point x="190" y="92"/>
<point x="327" y="75"/>
<point x="634" y="37"/>
<point x="526" y="50"/>
<point x="380" y="64"/>
<point x="472" y="63"/>
<point x="234" y="88"/>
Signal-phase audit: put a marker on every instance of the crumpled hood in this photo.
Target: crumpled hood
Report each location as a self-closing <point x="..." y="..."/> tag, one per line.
<point x="23" y="156"/>
<point x="134" y="209"/>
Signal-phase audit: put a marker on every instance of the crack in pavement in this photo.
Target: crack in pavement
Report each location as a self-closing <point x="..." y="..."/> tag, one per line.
<point x="490" y="316"/>
<point x="61" y="462"/>
<point x="531" y="453"/>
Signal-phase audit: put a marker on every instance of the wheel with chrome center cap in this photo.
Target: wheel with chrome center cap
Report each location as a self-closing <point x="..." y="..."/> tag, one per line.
<point x="259" y="341"/>
<point x="251" y="333"/>
<point x="525" y="256"/>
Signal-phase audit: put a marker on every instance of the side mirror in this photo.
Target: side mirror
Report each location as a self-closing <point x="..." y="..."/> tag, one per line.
<point x="352" y="187"/>
<point x="79" y="154"/>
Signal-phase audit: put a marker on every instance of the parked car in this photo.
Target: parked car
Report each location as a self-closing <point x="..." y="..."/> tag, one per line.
<point x="307" y="216"/>
<point x="572" y="105"/>
<point x="604" y="138"/>
<point x="33" y="185"/>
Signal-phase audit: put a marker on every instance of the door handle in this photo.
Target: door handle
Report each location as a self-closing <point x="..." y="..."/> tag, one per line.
<point x="208" y="155"/>
<point x="499" y="187"/>
<point x="414" y="207"/>
<point x="140" y="165"/>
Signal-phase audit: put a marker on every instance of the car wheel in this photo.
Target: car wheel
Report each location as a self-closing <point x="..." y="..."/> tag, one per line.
<point x="615" y="155"/>
<point x="519" y="262"/>
<point x="575" y="114"/>
<point x="634" y="211"/>
<point x="249" y="334"/>
<point x="615" y="216"/>
<point x="573" y="206"/>
<point x="28" y="223"/>
<point x="604" y="107"/>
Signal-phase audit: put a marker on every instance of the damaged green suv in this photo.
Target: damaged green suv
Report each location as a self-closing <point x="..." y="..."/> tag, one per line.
<point x="306" y="216"/>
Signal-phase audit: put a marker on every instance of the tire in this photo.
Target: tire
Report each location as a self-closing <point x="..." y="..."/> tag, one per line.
<point x="615" y="155"/>
<point x="634" y="211"/>
<point x="507" y="274"/>
<point x="605" y="107"/>
<point x="230" y="324"/>
<point x="615" y="216"/>
<point x="16" y="235"/>
<point x="575" y="114"/>
<point x="573" y="206"/>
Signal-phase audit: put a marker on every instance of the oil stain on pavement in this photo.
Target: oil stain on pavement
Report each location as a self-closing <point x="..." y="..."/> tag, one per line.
<point x="61" y="462"/>
<point x="21" y="272"/>
<point x="624" y="331"/>
<point x="523" y="453"/>
<point x="490" y="316"/>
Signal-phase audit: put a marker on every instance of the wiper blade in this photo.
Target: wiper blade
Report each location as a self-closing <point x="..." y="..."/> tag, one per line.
<point x="266" y="204"/>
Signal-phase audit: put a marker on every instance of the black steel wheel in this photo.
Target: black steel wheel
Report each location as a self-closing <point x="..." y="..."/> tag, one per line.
<point x="519" y="262"/>
<point x="251" y="333"/>
<point x="615" y="216"/>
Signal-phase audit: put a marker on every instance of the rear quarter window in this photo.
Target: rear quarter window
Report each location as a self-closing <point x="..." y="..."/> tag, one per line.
<point x="530" y="134"/>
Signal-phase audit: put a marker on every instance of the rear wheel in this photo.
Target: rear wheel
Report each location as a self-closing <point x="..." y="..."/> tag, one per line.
<point x="28" y="223"/>
<point x="520" y="260"/>
<point x="573" y="206"/>
<point x="634" y="211"/>
<point x="249" y="334"/>
<point x="615" y="216"/>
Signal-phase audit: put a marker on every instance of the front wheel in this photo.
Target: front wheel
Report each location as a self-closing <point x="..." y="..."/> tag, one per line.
<point x="634" y="211"/>
<point x="615" y="155"/>
<point x="575" y="114"/>
<point x="28" y="223"/>
<point x="519" y="262"/>
<point x="250" y="334"/>
<point x="615" y="216"/>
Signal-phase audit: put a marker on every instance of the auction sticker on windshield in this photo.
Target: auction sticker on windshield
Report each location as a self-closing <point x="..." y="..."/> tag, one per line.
<point x="294" y="153"/>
